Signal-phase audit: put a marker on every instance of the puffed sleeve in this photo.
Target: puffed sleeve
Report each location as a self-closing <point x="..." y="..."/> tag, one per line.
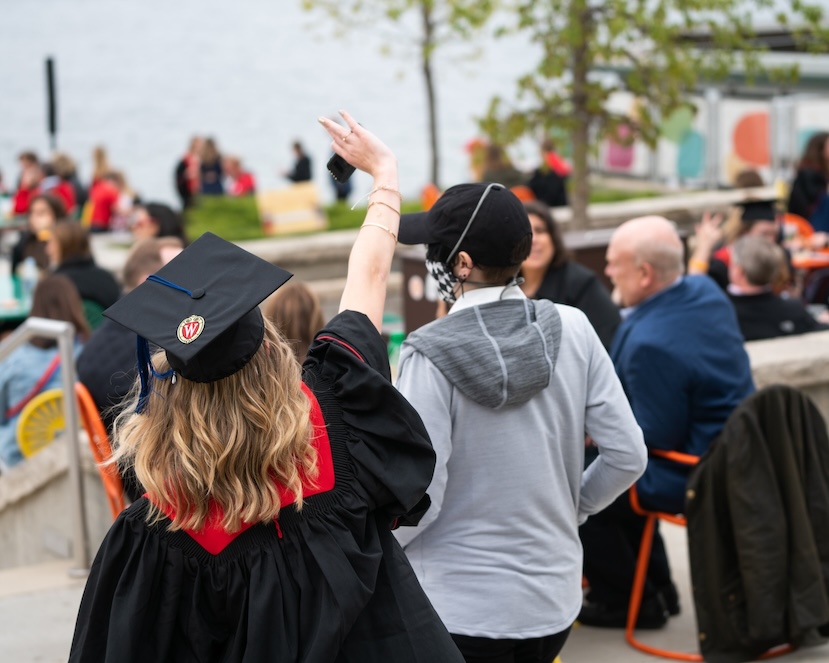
<point x="387" y="440"/>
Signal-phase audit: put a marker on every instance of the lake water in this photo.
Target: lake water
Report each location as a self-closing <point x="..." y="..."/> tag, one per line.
<point x="142" y="77"/>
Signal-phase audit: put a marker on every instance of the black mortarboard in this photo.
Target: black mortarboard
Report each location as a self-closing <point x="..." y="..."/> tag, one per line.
<point x="758" y="210"/>
<point x="202" y="308"/>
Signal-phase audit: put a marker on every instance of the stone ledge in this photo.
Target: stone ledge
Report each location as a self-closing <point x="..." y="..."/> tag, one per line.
<point x="799" y="361"/>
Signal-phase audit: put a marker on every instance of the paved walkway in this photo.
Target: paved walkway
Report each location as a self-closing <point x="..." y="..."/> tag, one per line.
<point x="38" y="606"/>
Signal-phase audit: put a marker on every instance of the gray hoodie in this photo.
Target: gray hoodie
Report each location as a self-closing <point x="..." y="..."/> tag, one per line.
<point x="507" y="388"/>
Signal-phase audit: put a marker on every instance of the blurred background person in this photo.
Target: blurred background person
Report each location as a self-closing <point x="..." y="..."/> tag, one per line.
<point x="807" y="197"/>
<point x="157" y="220"/>
<point x="27" y="182"/>
<point x="34" y="367"/>
<point x="210" y="169"/>
<point x="761" y="313"/>
<point x="45" y="210"/>
<point x="714" y="238"/>
<point x="550" y="273"/>
<point x="548" y="182"/>
<point x="65" y="168"/>
<point x="295" y="310"/>
<point x="240" y="182"/>
<point x="71" y="256"/>
<point x="498" y="168"/>
<point x="100" y="165"/>
<point x="302" y="165"/>
<point x="104" y="196"/>
<point x="187" y="173"/>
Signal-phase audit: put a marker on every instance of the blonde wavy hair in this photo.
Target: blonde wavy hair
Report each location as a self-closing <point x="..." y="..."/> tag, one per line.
<point x="233" y="441"/>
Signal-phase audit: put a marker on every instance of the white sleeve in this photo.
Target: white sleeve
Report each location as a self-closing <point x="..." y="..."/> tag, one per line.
<point x="609" y="421"/>
<point x="425" y="387"/>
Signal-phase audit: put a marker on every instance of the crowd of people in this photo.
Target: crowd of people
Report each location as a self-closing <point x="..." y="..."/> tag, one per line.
<point x="290" y="503"/>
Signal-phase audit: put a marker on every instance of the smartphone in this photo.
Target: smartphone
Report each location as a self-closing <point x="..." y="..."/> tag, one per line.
<point x="339" y="168"/>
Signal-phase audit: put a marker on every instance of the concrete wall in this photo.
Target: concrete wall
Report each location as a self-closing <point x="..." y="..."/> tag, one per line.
<point x="798" y="361"/>
<point x="36" y="522"/>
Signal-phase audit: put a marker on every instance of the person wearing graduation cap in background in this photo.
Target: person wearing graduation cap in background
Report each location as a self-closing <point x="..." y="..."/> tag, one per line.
<point x="265" y="532"/>
<point x="713" y="240"/>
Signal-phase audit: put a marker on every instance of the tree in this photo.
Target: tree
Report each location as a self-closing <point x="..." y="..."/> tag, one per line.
<point x="665" y="48"/>
<point x="440" y="22"/>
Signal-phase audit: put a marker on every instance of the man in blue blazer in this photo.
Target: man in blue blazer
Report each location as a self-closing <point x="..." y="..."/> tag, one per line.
<point x="680" y="357"/>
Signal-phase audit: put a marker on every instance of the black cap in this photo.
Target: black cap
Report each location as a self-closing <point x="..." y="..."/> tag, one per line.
<point x="202" y="309"/>
<point x="499" y="223"/>
<point x="758" y="210"/>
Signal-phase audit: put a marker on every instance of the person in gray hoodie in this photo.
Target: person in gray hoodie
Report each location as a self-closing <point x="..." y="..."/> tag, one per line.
<point x="510" y="390"/>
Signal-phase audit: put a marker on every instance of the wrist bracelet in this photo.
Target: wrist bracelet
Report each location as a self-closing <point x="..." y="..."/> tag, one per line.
<point x="382" y="227"/>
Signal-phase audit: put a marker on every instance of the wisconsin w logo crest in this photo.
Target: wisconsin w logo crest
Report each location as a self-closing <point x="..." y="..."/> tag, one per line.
<point x="190" y="328"/>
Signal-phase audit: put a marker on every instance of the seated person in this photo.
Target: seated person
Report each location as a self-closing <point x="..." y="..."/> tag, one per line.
<point x="761" y="313"/>
<point x="549" y="272"/>
<point x="712" y="250"/>
<point x="71" y="255"/>
<point x="45" y="211"/>
<point x="34" y="367"/>
<point x="295" y="310"/>
<point x="107" y="370"/>
<point x="680" y="357"/>
<point x="157" y="220"/>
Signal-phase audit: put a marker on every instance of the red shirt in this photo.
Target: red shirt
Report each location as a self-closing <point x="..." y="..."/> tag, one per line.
<point x="66" y="193"/>
<point x="244" y="185"/>
<point x="21" y="200"/>
<point x="103" y="198"/>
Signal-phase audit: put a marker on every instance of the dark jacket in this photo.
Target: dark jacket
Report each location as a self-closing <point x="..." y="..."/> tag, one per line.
<point x="575" y="285"/>
<point x="766" y="315"/>
<point x="93" y="283"/>
<point x="758" y="528"/>
<point x="682" y="363"/>
<point x="808" y="188"/>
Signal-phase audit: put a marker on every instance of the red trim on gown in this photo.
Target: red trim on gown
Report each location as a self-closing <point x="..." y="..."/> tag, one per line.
<point x="214" y="539"/>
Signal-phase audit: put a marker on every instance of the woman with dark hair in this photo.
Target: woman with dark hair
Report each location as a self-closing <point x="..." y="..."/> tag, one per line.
<point x="45" y="211"/>
<point x="71" y="255"/>
<point x="36" y="363"/>
<point x="808" y="194"/>
<point x="550" y="273"/>
<point x="157" y="220"/>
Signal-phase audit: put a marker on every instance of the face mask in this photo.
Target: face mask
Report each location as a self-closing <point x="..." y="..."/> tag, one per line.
<point x="446" y="280"/>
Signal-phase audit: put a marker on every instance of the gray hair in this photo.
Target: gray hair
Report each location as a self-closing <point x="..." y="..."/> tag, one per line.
<point x="759" y="259"/>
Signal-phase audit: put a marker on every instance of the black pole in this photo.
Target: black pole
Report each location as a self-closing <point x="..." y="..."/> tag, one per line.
<point x="51" y="101"/>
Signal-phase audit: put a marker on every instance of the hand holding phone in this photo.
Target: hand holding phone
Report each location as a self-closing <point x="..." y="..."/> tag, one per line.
<point x="339" y="168"/>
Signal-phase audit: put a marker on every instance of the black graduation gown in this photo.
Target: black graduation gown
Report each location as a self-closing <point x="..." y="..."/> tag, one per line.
<point x="325" y="584"/>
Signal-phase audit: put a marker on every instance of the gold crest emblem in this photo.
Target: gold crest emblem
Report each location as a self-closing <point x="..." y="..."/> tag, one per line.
<point x="190" y="328"/>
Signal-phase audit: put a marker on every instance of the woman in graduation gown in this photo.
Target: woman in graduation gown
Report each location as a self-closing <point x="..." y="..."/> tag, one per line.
<point x="265" y="533"/>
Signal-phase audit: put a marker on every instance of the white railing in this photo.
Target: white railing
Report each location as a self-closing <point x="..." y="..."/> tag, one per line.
<point x="64" y="334"/>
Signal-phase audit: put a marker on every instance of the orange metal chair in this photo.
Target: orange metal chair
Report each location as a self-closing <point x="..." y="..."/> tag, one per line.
<point x="101" y="449"/>
<point x="643" y="560"/>
<point x="644" y="557"/>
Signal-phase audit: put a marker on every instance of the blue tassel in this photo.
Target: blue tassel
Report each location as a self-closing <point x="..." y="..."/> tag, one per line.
<point x="146" y="371"/>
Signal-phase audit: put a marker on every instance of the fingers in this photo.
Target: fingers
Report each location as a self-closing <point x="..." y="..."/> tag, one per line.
<point x="350" y="121"/>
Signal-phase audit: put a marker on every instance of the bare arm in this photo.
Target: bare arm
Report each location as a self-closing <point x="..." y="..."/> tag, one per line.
<point x="708" y="233"/>
<point x="370" y="261"/>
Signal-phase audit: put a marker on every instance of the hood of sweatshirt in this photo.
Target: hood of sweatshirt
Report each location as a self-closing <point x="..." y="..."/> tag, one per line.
<point x="497" y="354"/>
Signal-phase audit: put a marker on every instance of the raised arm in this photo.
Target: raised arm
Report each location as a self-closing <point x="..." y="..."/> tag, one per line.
<point x="371" y="256"/>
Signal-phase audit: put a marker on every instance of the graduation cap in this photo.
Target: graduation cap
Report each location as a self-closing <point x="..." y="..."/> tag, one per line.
<point x="202" y="308"/>
<point x="758" y="210"/>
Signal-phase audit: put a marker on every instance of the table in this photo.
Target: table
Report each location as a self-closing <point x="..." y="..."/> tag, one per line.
<point x="13" y="310"/>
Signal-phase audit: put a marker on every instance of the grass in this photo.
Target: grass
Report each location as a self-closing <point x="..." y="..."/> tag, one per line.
<point x="237" y="219"/>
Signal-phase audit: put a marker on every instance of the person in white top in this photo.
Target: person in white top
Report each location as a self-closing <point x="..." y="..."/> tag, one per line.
<point x="509" y="389"/>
